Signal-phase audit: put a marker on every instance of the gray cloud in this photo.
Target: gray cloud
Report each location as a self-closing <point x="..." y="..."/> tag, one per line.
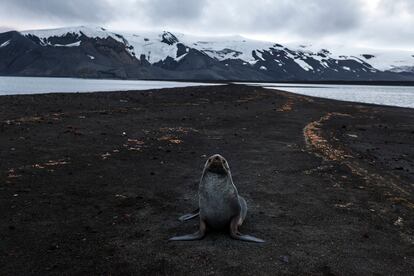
<point x="5" y="29"/>
<point x="172" y="10"/>
<point x="397" y="6"/>
<point x="386" y="23"/>
<point x="92" y="11"/>
<point x="302" y="17"/>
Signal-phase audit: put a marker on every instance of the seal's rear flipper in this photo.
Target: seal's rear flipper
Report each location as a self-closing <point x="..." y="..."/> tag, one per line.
<point x="192" y="237"/>
<point x="247" y="238"/>
<point x="192" y="215"/>
<point x="235" y="234"/>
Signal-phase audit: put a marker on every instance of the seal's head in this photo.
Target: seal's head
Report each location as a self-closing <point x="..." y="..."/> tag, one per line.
<point x="217" y="164"/>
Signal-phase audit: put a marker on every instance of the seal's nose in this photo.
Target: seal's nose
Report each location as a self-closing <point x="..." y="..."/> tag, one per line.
<point x="216" y="158"/>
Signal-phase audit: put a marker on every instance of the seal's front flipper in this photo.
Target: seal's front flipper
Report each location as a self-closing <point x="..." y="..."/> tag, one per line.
<point x="192" y="237"/>
<point x="192" y="215"/>
<point x="235" y="234"/>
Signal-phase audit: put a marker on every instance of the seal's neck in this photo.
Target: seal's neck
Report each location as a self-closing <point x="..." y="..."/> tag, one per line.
<point x="216" y="179"/>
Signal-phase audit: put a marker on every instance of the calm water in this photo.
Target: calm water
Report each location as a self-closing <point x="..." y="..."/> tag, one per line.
<point x="386" y="95"/>
<point x="402" y="96"/>
<point x="29" y="85"/>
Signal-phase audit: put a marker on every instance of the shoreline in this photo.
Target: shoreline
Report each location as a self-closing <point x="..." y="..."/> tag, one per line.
<point x="316" y="98"/>
<point x="94" y="182"/>
<point x="189" y="87"/>
<point x="333" y="82"/>
<point x="398" y="96"/>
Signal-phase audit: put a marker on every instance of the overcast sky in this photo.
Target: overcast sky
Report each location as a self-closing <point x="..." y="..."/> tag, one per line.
<point x="369" y="23"/>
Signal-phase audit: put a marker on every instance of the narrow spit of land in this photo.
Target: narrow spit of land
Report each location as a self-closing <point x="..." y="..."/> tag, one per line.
<point x="94" y="183"/>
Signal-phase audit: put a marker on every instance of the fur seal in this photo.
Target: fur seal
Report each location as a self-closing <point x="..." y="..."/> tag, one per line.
<point x="220" y="205"/>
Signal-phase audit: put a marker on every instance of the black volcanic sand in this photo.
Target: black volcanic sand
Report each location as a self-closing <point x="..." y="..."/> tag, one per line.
<point x="93" y="183"/>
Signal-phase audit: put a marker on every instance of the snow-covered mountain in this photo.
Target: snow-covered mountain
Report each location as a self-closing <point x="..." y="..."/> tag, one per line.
<point x="98" y="52"/>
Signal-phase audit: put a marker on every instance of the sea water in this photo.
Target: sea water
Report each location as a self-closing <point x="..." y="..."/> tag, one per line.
<point x="402" y="96"/>
<point x="40" y="85"/>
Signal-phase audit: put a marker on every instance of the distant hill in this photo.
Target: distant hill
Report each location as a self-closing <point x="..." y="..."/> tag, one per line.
<point x="94" y="52"/>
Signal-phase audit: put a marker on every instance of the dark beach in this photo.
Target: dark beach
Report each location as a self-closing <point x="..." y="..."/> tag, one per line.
<point x="94" y="183"/>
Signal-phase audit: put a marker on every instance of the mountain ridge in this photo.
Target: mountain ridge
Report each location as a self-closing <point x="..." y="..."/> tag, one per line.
<point x="96" y="52"/>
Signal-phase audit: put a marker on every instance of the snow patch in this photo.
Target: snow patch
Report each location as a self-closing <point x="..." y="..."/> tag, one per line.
<point x="91" y="57"/>
<point x="180" y="57"/>
<point x="324" y="64"/>
<point x="303" y="64"/>
<point x="263" y="68"/>
<point x="401" y="69"/>
<point x="87" y="31"/>
<point x="260" y="55"/>
<point x="4" y="44"/>
<point x="75" y="44"/>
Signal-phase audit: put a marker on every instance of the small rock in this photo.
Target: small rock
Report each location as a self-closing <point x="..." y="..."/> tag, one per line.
<point x="284" y="259"/>
<point x="53" y="247"/>
<point x="399" y="222"/>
